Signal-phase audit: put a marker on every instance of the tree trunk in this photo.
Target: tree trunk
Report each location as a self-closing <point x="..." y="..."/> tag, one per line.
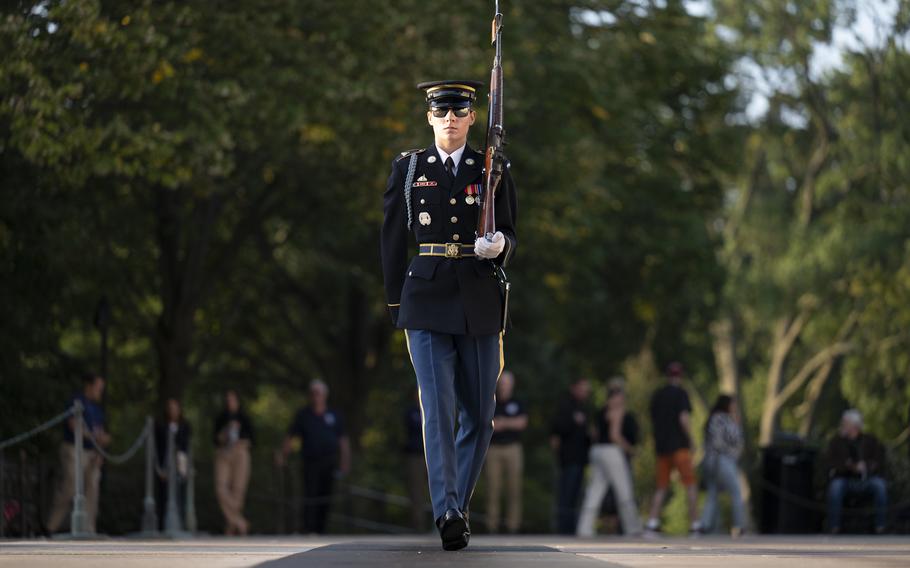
<point x="725" y="355"/>
<point x="355" y="357"/>
<point x="181" y="267"/>
<point x="785" y="333"/>
<point x="173" y="343"/>
<point x="723" y="336"/>
<point x="813" y="395"/>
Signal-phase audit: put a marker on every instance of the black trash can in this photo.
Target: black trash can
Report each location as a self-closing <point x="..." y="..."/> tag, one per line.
<point x="789" y="504"/>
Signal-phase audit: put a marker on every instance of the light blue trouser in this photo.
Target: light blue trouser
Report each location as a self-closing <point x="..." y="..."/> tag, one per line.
<point x="721" y="473"/>
<point x="455" y="373"/>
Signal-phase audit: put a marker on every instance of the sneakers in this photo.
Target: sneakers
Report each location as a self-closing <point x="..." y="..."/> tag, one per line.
<point x="652" y="529"/>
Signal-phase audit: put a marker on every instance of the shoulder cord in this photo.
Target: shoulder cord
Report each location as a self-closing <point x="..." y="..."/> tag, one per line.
<point x="412" y="167"/>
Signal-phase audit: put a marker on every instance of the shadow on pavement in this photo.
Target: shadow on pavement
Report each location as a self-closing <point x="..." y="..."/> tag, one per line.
<point x="388" y="555"/>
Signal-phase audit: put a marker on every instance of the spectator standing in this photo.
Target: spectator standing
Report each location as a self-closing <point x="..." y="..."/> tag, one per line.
<point x="505" y="456"/>
<point x="570" y="440"/>
<point x="856" y="463"/>
<point x="416" y="463"/>
<point x="173" y="423"/>
<point x="723" y="446"/>
<point x="326" y="452"/>
<point x="671" y="420"/>
<point x="233" y="440"/>
<point x="615" y="437"/>
<point x="94" y="424"/>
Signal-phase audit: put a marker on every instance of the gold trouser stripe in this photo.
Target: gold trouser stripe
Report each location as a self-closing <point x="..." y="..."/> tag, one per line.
<point x="502" y="357"/>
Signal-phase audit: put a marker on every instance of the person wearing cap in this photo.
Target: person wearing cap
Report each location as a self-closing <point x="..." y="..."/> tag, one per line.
<point x="671" y="414"/>
<point x="856" y="463"/>
<point x="446" y="297"/>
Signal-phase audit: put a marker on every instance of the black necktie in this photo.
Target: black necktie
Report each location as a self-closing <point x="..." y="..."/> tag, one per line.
<point x="450" y="167"/>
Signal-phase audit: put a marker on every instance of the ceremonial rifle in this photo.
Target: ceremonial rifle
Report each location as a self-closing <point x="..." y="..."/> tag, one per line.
<point x="494" y="160"/>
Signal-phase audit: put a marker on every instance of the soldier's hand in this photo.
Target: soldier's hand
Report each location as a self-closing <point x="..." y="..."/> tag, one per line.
<point x="490" y="249"/>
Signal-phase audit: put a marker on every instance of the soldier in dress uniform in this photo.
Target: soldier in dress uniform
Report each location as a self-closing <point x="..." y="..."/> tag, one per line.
<point x="447" y="298"/>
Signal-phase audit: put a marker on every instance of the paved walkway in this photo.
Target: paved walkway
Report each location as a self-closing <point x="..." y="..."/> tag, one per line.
<point x="485" y="551"/>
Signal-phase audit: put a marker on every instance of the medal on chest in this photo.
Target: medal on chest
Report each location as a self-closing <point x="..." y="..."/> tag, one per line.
<point x="472" y="193"/>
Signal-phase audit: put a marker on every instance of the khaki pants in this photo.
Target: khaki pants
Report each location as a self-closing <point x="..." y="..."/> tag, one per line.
<point x="63" y="496"/>
<point x="505" y="459"/>
<point x="232" y="474"/>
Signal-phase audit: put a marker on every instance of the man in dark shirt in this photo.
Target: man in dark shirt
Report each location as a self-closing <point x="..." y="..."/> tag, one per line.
<point x="856" y="465"/>
<point x="416" y="463"/>
<point x="505" y="456"/>
<point x="325" y="450"/>
<point x="570" y="440"/>
<point x="93" y="427"/>
<point x="670" y="416"/>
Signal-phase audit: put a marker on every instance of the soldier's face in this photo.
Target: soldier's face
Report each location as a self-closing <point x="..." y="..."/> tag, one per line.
<point x="450" y="130"/>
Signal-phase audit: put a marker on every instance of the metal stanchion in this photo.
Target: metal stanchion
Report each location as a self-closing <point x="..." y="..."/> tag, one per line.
<point x="190" y="494"/>
<point x="172" y="525"/>
<point x="149" y="514"/>
<point x="78" y="521"/>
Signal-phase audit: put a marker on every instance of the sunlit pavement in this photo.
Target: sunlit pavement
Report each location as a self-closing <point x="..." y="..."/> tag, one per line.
<point x="387" y="552"/>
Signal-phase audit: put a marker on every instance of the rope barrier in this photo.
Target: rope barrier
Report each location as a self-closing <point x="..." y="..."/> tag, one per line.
<point x="820" y="507"/>
<point x="37" y="430"/>
<point x="125" y="456"/>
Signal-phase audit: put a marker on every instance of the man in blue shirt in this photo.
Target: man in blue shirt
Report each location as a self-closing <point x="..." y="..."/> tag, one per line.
<point x="325" y="450"/>
<point x="93" y="427"/>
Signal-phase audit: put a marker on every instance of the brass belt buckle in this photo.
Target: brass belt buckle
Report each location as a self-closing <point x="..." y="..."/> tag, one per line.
<point x="453" y="250"/>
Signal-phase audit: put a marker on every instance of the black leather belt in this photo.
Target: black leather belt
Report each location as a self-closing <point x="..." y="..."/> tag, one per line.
<point x="448" y="250"/>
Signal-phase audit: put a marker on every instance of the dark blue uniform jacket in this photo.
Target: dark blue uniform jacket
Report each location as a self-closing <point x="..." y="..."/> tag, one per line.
<point x="459" y="296"/>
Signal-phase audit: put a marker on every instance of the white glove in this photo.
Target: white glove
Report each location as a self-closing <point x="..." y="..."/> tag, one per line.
<point x="490" y="249"/>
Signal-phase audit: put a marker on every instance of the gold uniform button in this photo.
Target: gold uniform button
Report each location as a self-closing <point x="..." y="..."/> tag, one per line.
<point x="454" y="219"/>
<point x="456" y="236"/>
<point x="452" y="201"/>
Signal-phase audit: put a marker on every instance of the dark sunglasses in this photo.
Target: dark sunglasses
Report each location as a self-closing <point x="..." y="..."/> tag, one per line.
<point x="442" y="112"/>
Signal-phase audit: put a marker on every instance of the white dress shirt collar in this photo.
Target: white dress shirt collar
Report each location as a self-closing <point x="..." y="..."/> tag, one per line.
<point x="456" y="156"/>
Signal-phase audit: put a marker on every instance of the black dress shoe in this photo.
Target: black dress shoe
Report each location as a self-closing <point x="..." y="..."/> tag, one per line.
<point x="453" y="529"/>
<point x="467" y="520"/>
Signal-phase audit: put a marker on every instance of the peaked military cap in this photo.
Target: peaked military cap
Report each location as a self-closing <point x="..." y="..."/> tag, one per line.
<point x="450" y="93"/>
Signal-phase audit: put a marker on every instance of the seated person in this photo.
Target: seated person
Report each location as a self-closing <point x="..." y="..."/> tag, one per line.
<point x="856" y="465"/>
